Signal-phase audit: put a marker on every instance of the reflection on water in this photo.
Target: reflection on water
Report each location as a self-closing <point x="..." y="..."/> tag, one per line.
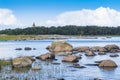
<point x="51" y="71"/>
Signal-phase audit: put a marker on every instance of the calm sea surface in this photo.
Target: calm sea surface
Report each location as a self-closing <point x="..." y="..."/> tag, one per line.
<point x="64" y="70"/>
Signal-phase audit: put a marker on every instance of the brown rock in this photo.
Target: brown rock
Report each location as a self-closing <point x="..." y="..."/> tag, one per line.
<point x="96" y="48"/>
<point x="46" y="56"/>
<point x="81" y="49"/>
<point x="89" y="53"/>
<point x="60" y="46"/>
<point x="101" y="53"/>
<point x="107" y="63"/>
<point x="111" y="47"/>
<point x="70" y="58"/>
<point x="102" y="49"/>
<point x="114" y="55"/>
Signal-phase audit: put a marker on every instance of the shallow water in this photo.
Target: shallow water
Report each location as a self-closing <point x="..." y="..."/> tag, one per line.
<point x="64" y="70"/>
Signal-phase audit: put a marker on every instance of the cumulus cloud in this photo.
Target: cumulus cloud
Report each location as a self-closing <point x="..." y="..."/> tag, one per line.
<point x="8" y="18"/>
<point x="100" y="17"/>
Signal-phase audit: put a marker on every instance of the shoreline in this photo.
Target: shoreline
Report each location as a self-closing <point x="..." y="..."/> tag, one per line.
<point x="50" y="37"/>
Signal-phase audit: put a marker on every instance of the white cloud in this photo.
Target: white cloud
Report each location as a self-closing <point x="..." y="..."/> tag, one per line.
<point x="101" y="17"/>
<point x="8" y="18"/>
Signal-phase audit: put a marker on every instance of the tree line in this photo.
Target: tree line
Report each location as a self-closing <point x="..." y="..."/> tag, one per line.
<point x="64" y="30"/>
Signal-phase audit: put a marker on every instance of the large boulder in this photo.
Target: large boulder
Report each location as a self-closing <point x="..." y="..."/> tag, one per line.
<point x="81" y="49"/>
<point x="22" y="62"/>
<point x="60" y="46"/>
<point x="89" y="53"/>
<point x="46" y="56"/>
<point x="70" y="58"/>
<point x="107" y="63"/>
<point x="111" y="48"/>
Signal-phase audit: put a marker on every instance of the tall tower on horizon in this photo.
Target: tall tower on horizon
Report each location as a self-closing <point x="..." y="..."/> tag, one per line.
<point x="33" y="24"/>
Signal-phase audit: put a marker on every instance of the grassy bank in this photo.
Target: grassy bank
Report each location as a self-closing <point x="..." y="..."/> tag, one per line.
<point x="16" y="37"/>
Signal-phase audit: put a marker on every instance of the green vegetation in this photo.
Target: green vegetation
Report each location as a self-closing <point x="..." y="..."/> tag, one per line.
<point x="14" y="37"/>
<point x="63" y="30"/>
<point x="4" y="63"/>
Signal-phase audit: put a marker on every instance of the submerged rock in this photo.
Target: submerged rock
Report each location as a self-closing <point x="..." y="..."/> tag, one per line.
<point x="27" y="48"/>
<point x="78" y="66"/>
<point x="46" y="56"/>
<point x="114" y="55"/>
<point x="101" y="53"/>
<point x="21" y="62"/>
<point x="70" y="58"/>
<point x="18" y="49"/>
<point x="107" y="63"/>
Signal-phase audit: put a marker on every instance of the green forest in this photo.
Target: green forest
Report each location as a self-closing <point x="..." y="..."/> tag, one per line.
<point x="63" y="30"/>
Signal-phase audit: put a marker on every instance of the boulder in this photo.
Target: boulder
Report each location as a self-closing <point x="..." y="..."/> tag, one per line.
<point x="111" y="47"/>
<point x="107" y="63"/>
<point x="27" y="48"/>
<point x="46" y="56"/>
<point x="102" y="49"/>
<point x="21" y="62"/>
<point x="81" y="49"/>
<point x="70" y="58"/>
<point x="114" y="55"/>
<point x="101" y="53"/>
<point x="96" y="48"/>
<point x="89" y="53"/>
<point x="60" y="46"/>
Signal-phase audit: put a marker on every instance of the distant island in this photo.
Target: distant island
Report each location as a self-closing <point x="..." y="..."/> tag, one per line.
<point x="63" y="30"/>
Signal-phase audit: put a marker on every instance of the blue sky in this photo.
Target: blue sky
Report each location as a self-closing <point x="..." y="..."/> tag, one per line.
<point x="39" y="11"/>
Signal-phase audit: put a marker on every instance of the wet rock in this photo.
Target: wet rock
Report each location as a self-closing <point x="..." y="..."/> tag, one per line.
<point x="21" y="62"/>
<point x="98" y="61"/>
<point x="101" y="53"/>
<point x="60" y="46"/>
<point x="27" y="48"/>
<point x="81" y="49"/>
<point x="96" y="48"/>
<point x="46" y="56"/>
<point x="111" y="48"/>
<point x="34" y="48"/>
<point x="70" y="58"/>
<point x="102" y="49"/>
<point x="56" y="63"/>
<point x="107" y="63"/>
<point x="78" y="66"/>
<point x="91" y="64"/>
<point x="118" y="50"/>
<point x="97" y="79"/>
<point x="114" y="55"/>
<point x="18" y="49"/>
<point x="89" y="53"/>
